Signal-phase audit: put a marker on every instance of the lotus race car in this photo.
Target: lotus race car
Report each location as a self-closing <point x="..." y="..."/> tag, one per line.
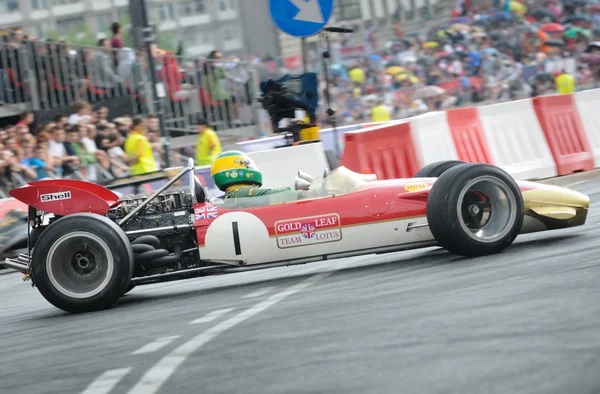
<point x="87" y="247"/>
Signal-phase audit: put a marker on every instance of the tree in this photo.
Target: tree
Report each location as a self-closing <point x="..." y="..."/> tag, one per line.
<point x="165" y="40"/>
<point x="84" y="35"/>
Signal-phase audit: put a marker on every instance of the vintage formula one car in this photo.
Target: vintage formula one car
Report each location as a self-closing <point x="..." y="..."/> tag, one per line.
<point x="88" y="247"/>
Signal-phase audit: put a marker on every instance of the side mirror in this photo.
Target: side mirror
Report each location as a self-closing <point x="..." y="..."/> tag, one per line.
<point x="301" y="184"/>
<point x="305" y="176"/>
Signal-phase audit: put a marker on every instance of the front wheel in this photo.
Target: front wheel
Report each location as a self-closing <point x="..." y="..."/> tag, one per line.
<point x="83" y="263"/>
<point x="475" y="210"/>
<point x="436" y="169"/>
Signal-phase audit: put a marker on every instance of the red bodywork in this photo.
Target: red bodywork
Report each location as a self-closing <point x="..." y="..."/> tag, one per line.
<point x="65" y="196"/>
<point x="10" y="204"/>
<point x="377" y="201"/>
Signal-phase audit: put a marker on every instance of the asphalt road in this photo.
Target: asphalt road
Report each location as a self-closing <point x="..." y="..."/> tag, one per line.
<point x="524" y="321"/>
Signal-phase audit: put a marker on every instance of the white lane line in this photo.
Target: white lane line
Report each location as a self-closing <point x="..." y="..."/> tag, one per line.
<point x="212" y="316"/>
<point x="578" y="182"/>
<point x="152" y="381"/>
<point x="156" y="345"/>
<point x="105" y="383"/>
<point x="258" y="292"/>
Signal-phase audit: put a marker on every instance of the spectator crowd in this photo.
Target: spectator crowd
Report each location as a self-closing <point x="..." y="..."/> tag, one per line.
<point x="84" y="145"/>
<point x="523" y="49"/>
<point x="497" y="52"/>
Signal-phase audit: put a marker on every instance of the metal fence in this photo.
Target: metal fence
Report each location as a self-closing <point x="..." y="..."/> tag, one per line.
<point x="45" y="75"/>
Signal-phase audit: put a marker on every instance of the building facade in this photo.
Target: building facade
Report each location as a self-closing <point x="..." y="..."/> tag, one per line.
<point x="202" y="25"/>
<point x="233" y="26"/>
<point x="361" y="15"/>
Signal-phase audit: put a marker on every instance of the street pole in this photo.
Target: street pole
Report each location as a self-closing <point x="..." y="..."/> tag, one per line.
<point x="139" y="18"/>
<point x="304" y="55"/>
<point x="331" y="112"/>
<point x="326" y="60"/>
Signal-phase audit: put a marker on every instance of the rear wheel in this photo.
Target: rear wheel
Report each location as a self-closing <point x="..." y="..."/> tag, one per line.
<point x="130" y="287"/>
<point x="436" y="169"/>
<point x="83" y="264"/>
<point x="475" y="210"/>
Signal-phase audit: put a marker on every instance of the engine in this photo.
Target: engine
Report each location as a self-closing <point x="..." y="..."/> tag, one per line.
<point x="160" y="231"/>
<point x="169" y="209"/>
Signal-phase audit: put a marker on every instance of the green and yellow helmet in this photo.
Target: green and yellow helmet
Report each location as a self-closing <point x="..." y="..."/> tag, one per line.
<point x="234" y="168"/>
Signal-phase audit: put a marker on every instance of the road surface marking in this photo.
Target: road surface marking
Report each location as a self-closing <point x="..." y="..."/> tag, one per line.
<point x="152" y="381"/>
<point x="156" y="345"/>
<point x="578" y="183"/>
<point x="212" y="316"/>
<point x="258" y="292"/>
<point x="105" y="383"/>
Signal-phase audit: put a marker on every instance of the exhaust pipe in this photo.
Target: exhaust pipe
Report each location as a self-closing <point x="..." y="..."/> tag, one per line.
<point x="17" y="265"/>
<point x="21" y="263"/>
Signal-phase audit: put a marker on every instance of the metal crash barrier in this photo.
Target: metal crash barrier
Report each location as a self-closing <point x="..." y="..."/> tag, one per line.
<point x="49" y="77"/>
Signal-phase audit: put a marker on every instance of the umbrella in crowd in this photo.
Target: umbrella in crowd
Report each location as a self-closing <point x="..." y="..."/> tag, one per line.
<point x="428" y="92"/>
<point x="482" y="54"/>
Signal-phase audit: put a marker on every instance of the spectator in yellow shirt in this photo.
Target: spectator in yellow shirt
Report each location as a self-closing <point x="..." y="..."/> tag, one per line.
<point x="208" y="146"/>
<point x="380" y="113"/>
<point x="565" y="83"/>
<point x="138" y="149"/>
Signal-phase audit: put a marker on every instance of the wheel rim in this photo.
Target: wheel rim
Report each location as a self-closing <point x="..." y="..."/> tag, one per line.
<point x="486" y="209"/>
<point x="80" y="264"/>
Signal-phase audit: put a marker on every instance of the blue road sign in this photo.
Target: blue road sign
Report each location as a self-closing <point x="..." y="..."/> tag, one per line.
<point x="301" y="18"/>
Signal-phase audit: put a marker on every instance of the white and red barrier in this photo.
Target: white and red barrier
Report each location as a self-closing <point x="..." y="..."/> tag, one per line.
<point x="531" y="139"/>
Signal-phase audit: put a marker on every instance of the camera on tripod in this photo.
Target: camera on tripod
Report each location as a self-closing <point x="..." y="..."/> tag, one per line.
<point x="281" y="98"/>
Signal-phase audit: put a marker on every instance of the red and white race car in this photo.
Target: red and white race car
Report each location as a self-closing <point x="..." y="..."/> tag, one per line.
<point x="88" y="247"/>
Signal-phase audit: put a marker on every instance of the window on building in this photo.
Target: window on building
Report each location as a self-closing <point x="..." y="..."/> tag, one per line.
<point x="9" y="6"/>
<point x="165" y="12"/>
<point x="230" y="33"/>
<point x="39" y="4"/>
<point x="40" y="29"/>
<point x="347" y="10"/>
<point x="65" y="2"/>
<point x="103" y="23"/>
<point x="196" y="37"/>
<point x="226" y="5"/>
<point x="192" y="7"/>
<point x="410" y="13"/>
<point x="64" y="26"/>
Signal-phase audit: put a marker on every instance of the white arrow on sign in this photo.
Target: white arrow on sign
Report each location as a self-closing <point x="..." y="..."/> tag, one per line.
<point x="310" y="11"/>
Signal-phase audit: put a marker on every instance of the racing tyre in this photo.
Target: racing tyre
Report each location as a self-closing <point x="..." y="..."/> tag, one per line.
<point x="436" y="169"/>
<point x="83" y="264"/>
<point x="475" y="210"/>
<point x="130" y="287"/>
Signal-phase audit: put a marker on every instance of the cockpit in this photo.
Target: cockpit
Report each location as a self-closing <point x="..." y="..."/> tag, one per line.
<point x="338" y="182"/>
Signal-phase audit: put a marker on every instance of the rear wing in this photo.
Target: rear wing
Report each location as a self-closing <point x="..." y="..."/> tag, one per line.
<point x="66" y="196"/>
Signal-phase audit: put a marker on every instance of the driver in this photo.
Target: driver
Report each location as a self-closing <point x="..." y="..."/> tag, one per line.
<point x="236" y="174"/>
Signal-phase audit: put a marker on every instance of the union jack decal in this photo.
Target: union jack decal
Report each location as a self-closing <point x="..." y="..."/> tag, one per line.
<point x="308" y="231"/>
<point x="206" y="213"/>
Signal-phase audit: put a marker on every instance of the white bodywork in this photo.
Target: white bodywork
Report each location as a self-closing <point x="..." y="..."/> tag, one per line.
<point x="257" y="246"/>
